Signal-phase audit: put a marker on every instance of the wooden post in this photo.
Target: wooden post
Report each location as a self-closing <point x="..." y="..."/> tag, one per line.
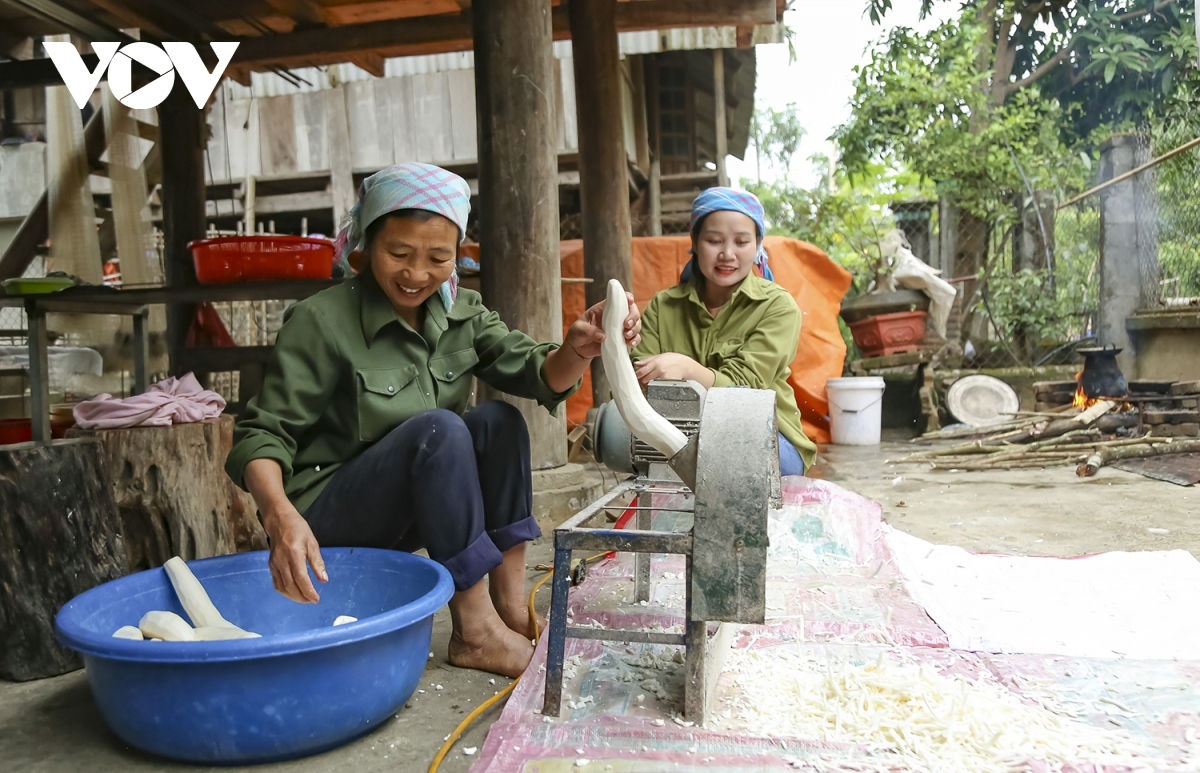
<point x="74" y="243"/>
<point x="341" y="158"/>
<point x="39" y="372"/>
<point x="655" y="198"/>
<point x="603" y="175"/>
<point x="518" y="186"/>
<point x="248" y="200"/>
<point x="719" y="122"/>
<point x="641" y="129"/>
<point x="182" y="135"/>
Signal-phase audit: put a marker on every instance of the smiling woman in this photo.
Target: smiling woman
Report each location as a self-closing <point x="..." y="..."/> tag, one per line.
<point x="723" y="325"/>
<point x="361" y="437"/>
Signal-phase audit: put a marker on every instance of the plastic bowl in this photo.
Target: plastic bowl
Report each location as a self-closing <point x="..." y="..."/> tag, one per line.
<point x="303" y="688"/>
<point x="261" y="258"/>
<point x="15" y="431"/>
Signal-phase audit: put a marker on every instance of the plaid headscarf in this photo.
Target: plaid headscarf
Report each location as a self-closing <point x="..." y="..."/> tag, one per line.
<point x="407" y="186"/>
<point x="729" y="200"/>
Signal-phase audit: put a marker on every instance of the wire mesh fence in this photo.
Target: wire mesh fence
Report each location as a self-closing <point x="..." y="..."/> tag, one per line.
<point x="1027" y="276"/>
<point x="1168" y="196"/>
<point x="1038" y="292"/>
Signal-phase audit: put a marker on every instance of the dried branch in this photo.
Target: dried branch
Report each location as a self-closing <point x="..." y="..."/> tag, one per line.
<point x="1107" y="454"/>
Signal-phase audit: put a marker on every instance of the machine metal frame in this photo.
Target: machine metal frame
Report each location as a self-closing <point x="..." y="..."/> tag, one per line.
<point x="725" y="550"/>
<point x="703" y="651"/>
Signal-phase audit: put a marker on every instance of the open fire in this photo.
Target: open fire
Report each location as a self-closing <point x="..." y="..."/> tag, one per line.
<point x="1100" y="379"/>
<point x="1082" y="401"/>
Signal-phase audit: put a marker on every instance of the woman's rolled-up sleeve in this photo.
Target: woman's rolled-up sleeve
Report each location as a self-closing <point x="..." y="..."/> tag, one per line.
<point x="512" y="362"/>
<point x="298" y="384"/>
<point x="770" y="345"/>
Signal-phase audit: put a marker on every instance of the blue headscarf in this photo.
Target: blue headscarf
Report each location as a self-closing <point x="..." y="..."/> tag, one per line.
<point x="407" y="186"/>
<point x="729" y="200"/>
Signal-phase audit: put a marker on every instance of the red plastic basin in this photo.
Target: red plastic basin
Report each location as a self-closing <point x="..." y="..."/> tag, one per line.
<point x="15" y="431"/>
<point x="261" y="258"/>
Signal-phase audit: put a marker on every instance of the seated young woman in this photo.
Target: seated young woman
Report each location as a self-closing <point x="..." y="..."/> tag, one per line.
<point x="361" y="437"/>
<point x="723" y="325"/>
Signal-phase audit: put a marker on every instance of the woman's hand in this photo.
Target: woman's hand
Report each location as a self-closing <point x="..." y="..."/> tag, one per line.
<point x="671" y="367"/>
<point x="587" y="332"/>
<point x="293" y="548"/>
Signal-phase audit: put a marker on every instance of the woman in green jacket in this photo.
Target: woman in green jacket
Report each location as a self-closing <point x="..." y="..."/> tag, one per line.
<point x="724" y="326"/>
<point x="361" y="437"/>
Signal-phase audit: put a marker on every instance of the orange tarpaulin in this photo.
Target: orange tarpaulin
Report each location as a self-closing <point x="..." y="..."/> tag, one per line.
<point x="812" y="277"/>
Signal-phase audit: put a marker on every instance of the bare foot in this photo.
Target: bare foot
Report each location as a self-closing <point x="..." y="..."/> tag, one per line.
<point x="517" y="619"/>
<point x="500" y="651"/>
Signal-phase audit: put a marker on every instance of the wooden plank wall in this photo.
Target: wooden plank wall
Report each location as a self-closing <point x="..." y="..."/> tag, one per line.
<point x="427" y="117"/>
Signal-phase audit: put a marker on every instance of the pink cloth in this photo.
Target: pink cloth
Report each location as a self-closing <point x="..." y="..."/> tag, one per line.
<point x="170" y="401"/>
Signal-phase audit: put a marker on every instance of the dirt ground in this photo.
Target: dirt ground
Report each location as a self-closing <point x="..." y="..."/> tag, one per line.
<point x="53" y="725"/>
<point x="1048" y="512"/>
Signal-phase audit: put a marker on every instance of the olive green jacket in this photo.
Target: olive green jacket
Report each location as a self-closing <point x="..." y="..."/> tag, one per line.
<point x="751" y="342"/>
<point x="346" y="370"/>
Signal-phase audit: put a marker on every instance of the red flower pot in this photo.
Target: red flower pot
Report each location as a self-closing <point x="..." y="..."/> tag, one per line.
<point x="888" y="334"/>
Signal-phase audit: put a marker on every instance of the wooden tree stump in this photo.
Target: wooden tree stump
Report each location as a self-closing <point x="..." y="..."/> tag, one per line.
<point x="60" y="535"/>
<point x="174" y="497"/>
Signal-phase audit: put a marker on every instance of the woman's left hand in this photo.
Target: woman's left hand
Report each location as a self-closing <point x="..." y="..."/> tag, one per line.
<point x="587" y="332"/>
<point x="668" y="366"/>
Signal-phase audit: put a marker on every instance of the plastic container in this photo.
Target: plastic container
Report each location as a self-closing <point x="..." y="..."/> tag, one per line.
<point x="36" y="285"/>
<point x="261" y="258"/>
<point x="886" y="334"/>
<point x="15" y="431"/>
<point x="855" y="410"/>
<point x="303" y="688"/>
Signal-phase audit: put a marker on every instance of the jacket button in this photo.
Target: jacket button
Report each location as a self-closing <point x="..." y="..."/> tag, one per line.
<point x="318" y="468"/>
<point x="449" y="374"/>
<point x="391" y="388"/>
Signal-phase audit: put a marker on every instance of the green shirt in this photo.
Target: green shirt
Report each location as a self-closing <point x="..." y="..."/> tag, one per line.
<point x="346" y="370"/>
<point x="751" y="342"/>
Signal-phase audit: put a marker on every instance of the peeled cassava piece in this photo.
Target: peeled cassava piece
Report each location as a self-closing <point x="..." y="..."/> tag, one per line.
<point x="167" y="626"/>
<point x="223" y="633"/>
<point x="199" y="606"/>
<point x="646" y="423"/>
<point x="128" y="632"/>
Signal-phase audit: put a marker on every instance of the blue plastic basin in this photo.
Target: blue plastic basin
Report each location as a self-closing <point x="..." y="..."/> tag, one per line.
<point x="302" y="688"/>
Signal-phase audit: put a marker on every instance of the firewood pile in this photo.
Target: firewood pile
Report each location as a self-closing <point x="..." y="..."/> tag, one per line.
<point x="1156" y="418"/>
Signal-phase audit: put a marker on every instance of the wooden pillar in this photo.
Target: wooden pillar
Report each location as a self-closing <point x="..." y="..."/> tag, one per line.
<point x="181" y="132"/>
<point x="720" y="124"/>
<point x="518" y="187"/>
<point x="655" y="198"/>
<point x="641" y="128"/>
<point x="603" y="169"/>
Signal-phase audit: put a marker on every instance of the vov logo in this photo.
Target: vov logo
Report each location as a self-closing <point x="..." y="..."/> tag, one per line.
<point x="177" y="57"/>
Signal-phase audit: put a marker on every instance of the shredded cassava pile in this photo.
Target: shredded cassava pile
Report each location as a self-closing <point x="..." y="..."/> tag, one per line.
<point x="907" y="716"/>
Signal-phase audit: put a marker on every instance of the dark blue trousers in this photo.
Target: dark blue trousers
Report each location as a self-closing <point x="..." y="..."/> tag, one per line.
<point x="459" y="486"/>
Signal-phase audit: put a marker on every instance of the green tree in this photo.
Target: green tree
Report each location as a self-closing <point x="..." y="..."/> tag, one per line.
<point x="843" y="215"/>
<point x="1008" y="99"/>
<point x="777" y="136"/>
<point x="1104" y="61"/>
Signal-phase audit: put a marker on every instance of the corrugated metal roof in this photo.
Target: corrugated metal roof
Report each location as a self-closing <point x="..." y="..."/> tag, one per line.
<point x="632" y="43"/>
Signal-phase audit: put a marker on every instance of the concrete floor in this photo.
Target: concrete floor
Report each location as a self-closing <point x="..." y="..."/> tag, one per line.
<point x="53" y="725"/>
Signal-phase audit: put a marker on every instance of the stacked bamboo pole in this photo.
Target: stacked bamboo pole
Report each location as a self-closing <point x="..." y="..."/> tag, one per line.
<point x="1044" y="441"/>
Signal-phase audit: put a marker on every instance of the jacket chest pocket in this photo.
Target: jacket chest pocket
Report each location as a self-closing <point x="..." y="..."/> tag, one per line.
<point x="452" y="374"/>
<point x="727" y="349"/>
<point x="386" y="397"/>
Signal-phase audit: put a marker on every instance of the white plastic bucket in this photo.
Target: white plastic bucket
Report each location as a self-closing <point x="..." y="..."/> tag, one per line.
<point x="855" y="410"/>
